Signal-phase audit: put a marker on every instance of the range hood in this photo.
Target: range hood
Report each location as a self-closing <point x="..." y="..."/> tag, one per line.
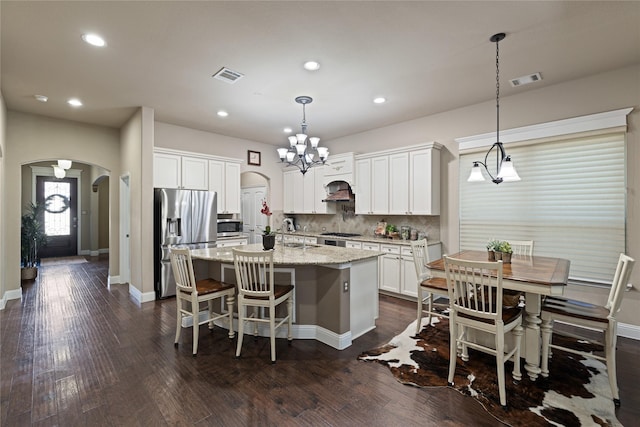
<point x="339" y="191"/>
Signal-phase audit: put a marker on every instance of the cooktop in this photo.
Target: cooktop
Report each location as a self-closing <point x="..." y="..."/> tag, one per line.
<point x="340" y="234"/>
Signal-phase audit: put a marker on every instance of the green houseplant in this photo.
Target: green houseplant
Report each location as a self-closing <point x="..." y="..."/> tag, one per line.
<point x="506" y="251"/>
<point x="32" y="238"/>
<point x="268" y="238"/>
<point x="492" y="248"/>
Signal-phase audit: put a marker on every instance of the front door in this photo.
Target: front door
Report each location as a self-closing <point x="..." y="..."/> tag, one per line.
<point x="253" y="222"/>
<point x="60" y="219"/>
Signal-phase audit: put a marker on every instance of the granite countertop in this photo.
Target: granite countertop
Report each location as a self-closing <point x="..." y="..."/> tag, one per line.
<point x="312" y="255"/>
<point x="362" y="238"/>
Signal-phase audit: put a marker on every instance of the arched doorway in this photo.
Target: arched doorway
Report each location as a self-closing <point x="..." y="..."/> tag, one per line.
<point x="254" y="189"/>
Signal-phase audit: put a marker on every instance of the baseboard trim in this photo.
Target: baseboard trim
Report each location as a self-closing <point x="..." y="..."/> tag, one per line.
<point x="10" y="295"/>
<point x="141" y="297"/>
<point x="300" y="332"/>
<point x="629" y="331"/>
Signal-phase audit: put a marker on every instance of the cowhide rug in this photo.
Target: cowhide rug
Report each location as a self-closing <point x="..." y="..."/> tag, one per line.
<point x="576" y="393"/>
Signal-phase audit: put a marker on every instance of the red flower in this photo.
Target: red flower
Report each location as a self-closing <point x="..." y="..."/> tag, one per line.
<point x="265" y="209"/>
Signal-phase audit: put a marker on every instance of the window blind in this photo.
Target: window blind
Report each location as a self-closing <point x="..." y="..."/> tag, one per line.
<point x="570" y="201"/>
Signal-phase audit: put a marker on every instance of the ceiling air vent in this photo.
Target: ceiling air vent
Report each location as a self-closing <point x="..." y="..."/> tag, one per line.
<point x="227" y="75"/>
<point x="524" y="80"/>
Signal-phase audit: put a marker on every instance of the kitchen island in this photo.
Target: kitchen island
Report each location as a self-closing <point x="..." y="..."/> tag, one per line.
<point x="336" y="289"/>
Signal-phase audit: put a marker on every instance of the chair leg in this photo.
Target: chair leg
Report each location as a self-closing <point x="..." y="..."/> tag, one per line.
<point x="230" y="301"/>
<point x="290" y="314"/>
<point x="500" y="367"/>
<point x="430" y="297"/>
<point x="241" y="318"/>
<point x="178" y="320"/>
<point x="610" y="354"/>
<point x="464" y="350"/>
<point x="210" y="307"/>
<point x="196" y="331"/>
<point x="518" y="331"/>
<point x="453" y="347"/>
<point x="420" y="303"/>
<point x="272" y="333"/>
<point x="546" y="327"/>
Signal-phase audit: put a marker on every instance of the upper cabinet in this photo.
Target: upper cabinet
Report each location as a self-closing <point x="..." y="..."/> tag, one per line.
<point x="339" y="167"/>
<point x="192" y="171"/>
<point x="305" y="193"/>
<point x="178" y="171"/>
<point x="224" y="179"/>
<point x="404" y="181"/>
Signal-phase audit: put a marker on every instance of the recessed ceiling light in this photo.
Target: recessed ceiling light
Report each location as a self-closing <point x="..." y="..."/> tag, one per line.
<point x="287" y="130"/>
<point x="94" y="40"/>
<point x="41" y="98"/>
<point x="222" y="113"/>
<point x="379" y="100"/>
<point x="524" y="80"/>
<point x="312" y="65"/>
<point x="74" y="102"/>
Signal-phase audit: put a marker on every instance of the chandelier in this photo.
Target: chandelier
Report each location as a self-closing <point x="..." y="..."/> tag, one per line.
<point x="60" y="170"/>
<point x="303" y="151"/>
<point x="504" y="166"/>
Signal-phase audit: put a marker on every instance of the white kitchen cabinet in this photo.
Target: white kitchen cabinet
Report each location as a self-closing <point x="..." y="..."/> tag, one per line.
<point x="224" y="179"/>
<point x="177" y="171"/>
<point x="339" y="167"/>
<point x="399" y="184"/>
<point x="424" y="181"/>
<point x="367" y="246"/>
<point x="408" y="277"/>
<point x="372" y="185"/>
<point x="305" y="193"/>
<point x="226" y="243"/>
<point x="353" y="245"/>
<point x="403" y="181"/>
<point x="390" y="268"/>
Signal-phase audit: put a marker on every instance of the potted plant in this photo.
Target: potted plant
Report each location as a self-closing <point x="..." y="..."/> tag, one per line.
<point x="32" y="238"/>
<point x="506" y="251"/>
<point x="268" y="238"/>
<point x="492" y="248"/>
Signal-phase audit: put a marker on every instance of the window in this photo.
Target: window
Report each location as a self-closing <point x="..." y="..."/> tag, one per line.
<point x="570" y="201"/>
<point x="57" y="218"/>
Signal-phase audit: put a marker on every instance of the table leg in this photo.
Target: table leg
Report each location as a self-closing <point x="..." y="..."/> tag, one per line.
<point x="532" y="334"/>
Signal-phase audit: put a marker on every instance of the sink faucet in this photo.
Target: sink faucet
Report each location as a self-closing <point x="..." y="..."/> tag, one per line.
<point x="284" y="225"/>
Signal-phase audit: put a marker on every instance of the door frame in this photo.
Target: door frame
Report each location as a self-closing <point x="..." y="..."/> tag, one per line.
<point x="70" y="173"/>
<point x="125" y="228"/>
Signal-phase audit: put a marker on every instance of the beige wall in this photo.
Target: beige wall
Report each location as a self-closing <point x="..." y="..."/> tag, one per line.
<point x="31" y="139"/>
<point x="599" y="93"/>
<point x="3" y="221"/>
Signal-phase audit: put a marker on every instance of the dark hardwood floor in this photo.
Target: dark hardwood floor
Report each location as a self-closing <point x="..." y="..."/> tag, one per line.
<point x="76" y="352"/>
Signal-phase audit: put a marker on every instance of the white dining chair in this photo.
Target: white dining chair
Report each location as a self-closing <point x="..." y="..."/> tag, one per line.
<point x="587" y="316"/>
<point x="522" y="247"/>
<point x="190" y="293"/>
<point x="428" y="287"/>
<point x="256" y="288"/>
<point x="475" y="296"/>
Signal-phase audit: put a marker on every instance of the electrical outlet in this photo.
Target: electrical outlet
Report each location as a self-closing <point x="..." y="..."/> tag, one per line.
<point x="345" y="287"/>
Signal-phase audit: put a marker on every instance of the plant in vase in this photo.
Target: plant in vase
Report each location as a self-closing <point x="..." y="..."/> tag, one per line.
<point x="492" y="248"/>
<point x="32" y="238"/>
<point x="506" y="251"/>
<point x="268" y="238"/>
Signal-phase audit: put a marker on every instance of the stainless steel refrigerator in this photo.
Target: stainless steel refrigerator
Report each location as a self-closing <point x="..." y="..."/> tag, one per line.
<point x="181" y="218"/>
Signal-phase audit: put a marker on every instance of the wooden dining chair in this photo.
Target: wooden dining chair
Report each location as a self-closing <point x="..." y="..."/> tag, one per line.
<point x="522" y="247"/>
<point x="428" y="286"/>
<point x="256" y="288"/>
<point x="475" y="296"/>
<point x="190" y="293"/>
<point x="586" y="316"/>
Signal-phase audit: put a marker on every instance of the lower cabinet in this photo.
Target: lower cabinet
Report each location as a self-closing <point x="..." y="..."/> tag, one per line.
<point x="231" y="242"/>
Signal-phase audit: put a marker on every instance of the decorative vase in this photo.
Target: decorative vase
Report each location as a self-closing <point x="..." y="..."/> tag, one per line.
<point x="506" y="257"/>
<point x="491" y="255"/>
<point x="28" y="273"/>
<point x="268" y="241"/>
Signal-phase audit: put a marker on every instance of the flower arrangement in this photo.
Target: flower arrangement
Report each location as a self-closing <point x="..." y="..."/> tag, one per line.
<point x="267" y="212"/>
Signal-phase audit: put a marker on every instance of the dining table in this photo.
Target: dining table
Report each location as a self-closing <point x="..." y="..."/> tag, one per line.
<point x="536" y="276"/>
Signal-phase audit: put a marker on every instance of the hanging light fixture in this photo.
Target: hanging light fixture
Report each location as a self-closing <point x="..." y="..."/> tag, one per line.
<point x="505" y="171"/>
<point x="64" y="164"/>
<point x="58" y="172"/>
<point x="303" y="151"/>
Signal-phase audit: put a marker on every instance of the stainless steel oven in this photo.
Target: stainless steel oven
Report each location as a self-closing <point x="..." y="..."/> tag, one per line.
<point x="332" y="242"/>
<point x="229" y="227"/>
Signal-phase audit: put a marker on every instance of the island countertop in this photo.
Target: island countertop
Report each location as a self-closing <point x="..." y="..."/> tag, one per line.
<point x="293" y="255"/>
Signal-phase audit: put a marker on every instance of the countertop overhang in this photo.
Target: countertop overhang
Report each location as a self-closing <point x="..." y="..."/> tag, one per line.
<point x="284" y="255"/>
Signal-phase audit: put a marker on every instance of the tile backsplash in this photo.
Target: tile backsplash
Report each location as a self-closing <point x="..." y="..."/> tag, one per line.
<point x="348" y="222"/>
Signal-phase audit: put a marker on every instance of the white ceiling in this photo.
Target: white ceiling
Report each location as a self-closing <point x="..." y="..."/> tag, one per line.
<point x="425" y="57"/>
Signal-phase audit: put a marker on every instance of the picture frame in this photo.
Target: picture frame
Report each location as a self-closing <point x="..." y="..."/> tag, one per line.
<point x="253" y="157"/>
